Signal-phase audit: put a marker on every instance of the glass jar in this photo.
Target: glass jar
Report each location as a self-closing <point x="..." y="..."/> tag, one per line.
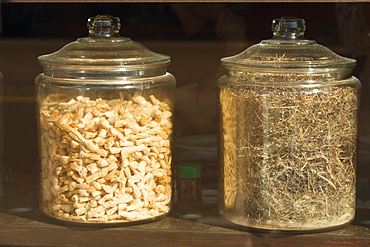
<point x="105" y="119"/>
<point x="288" y="134"/>
<point x="189" y="190"/>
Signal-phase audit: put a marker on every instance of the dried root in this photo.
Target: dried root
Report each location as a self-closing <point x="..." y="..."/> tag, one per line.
<point x="106" y="160"/>
<point x="289" y="155"/>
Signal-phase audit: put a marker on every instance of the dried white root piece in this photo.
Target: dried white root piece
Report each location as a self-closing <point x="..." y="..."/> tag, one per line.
<point x="106" y="160"/>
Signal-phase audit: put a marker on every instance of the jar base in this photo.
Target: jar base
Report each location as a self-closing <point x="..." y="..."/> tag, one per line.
<point x="72" y="223"/>
<point x="282" y="230"/>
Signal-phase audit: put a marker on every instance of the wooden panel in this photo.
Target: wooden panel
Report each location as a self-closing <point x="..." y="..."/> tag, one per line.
<point x="16" y="230"/>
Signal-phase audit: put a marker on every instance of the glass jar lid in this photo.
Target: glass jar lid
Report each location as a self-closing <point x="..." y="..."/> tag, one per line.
<point x="288" y="49"/>
<point x="104" y="53"/>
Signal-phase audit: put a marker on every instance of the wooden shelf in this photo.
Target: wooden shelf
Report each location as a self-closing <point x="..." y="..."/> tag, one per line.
<point x="36" y="230"/>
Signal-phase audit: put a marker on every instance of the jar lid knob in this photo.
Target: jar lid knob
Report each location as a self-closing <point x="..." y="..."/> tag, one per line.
<point x="104" y="25"/>
<point x="288" y="27"/>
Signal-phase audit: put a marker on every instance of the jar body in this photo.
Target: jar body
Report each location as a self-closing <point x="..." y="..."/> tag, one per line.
<point x="105" y="148"/>
<point x="288" y="153"/>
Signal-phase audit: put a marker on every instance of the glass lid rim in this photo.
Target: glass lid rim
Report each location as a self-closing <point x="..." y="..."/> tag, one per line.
<point x="121" y="62"/>
<point x="288" y="65"/>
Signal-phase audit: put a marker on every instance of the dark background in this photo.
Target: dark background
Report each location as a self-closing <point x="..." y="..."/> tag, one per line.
<point x="159" y="20"/>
